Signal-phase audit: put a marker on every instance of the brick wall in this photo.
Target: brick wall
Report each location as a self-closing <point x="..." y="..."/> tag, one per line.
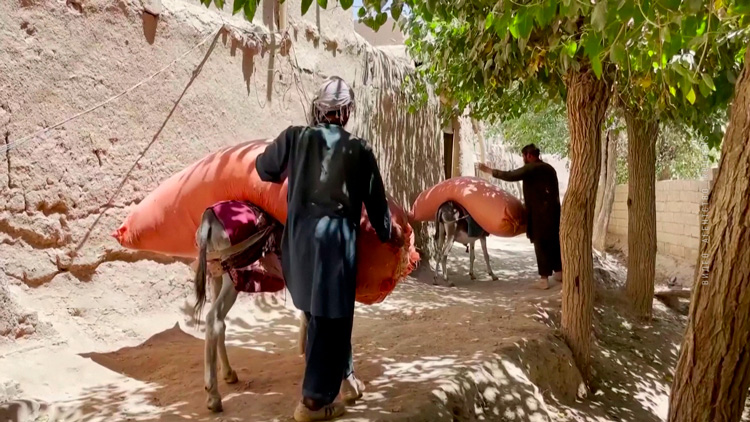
<point x="678" y="207"/>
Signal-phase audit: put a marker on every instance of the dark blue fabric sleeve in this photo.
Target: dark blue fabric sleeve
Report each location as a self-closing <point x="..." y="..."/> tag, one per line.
<point x="272" y="163"/>
<point x="514" y="175"/>
<point x="375" y="200"/>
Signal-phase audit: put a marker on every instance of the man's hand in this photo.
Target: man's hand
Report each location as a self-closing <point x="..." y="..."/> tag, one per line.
<point x="397" y="236"/>
<point x="484" y="168"/>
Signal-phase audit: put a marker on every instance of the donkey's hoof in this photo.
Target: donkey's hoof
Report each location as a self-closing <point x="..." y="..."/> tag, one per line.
<point x="472" y="277"/>
<point x="495" y="278"/>
<point x="214" y="404"/>
<point x="231" y="378"/>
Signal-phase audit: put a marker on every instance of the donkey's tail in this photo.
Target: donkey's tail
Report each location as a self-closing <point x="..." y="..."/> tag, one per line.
<point x="437" y="224"/>
<point x="204" y="234"/>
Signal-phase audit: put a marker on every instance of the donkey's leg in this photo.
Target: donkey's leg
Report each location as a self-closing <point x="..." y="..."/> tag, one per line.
<point x="209" y="366"/>
<point x="215" y="329"/>
<point x="229" y="375"/>
<point x="450" y="237"/>
<point x="471" y="260"/>
<point x="444" y="264"/>
<point x="483" y="241"/>
<point x="439" y="251"/>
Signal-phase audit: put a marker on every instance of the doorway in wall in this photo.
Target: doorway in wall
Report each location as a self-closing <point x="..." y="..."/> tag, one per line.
<point x="448" y="154"/>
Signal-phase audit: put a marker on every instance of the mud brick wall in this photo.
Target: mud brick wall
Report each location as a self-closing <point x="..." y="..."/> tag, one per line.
<point x="678" y="208"/>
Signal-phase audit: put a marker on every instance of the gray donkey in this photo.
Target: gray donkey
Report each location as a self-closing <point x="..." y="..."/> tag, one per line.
<point x="215" y="248"/>
<point x="454" y="224"/>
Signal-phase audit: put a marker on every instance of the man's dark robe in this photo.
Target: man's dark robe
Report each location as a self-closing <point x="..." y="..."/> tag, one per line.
<point x="541" y="195"/>
<point x="331" y="175"/>
<point x="542" y="198"/>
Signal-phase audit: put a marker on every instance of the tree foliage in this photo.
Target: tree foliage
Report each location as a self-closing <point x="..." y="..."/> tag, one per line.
<point x="248" y="8"/>
<point x="543" y="125"/>
<point x="689" y="68"/>
<point x="662" y="56"/>
<point x="677" y="59"/>
<point x="681" y="153"/>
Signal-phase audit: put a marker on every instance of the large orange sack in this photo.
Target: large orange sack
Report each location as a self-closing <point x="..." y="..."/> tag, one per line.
<point x="497" y="211"/>
<point x="167" y="219"/>
<point x="380" y="266"/>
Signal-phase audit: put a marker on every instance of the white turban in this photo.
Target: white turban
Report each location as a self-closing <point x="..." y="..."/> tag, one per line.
<point x="334" y="95"/>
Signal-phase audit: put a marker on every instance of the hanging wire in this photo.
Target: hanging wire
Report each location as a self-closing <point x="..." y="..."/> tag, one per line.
<point x="13" y="145"/>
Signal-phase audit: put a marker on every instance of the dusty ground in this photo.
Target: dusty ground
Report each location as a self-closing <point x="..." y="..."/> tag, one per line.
<point x="669" y="269"/>
<point x="121" y="347"/>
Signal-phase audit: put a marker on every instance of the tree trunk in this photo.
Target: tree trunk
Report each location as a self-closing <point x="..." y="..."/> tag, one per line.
<point x="712" y="376"/>
<point x="642" y="134"/>
<point x="609" y="187"/>
<point x="482" y="153"/>
<point x="602" y="181"/>
<point x="587" y="101"/>
<point x="456" y="160"/>
<point x="607" y="182"/>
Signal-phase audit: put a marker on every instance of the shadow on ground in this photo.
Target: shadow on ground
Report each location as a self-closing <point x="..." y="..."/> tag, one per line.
<point x="483" y="350"/>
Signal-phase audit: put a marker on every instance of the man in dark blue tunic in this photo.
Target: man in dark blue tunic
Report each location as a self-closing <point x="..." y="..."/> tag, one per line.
<point x="331" y="175"/>
<point x="542" y="198"/>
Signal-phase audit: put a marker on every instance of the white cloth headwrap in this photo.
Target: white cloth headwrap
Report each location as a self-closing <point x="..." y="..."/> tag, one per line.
<point x="334" y="94"/>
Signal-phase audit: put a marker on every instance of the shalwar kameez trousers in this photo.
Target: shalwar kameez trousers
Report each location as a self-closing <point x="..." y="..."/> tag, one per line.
<point x="547" y="251"/>
<point x="328" y="357"/>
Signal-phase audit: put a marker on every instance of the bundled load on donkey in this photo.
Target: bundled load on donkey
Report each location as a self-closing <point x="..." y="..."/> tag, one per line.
<point x="167" y="219"/>
<point x="498" y="212"/>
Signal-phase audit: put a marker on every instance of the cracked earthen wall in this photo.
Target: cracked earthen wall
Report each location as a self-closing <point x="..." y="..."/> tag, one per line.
<point x="63" y="194"/>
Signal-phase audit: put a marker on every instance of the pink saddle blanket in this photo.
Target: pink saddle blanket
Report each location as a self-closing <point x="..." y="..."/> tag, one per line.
<point x="257" y="269"/>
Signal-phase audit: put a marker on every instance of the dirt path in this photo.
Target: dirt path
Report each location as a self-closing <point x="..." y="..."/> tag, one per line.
<point x="121" y="347"/>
